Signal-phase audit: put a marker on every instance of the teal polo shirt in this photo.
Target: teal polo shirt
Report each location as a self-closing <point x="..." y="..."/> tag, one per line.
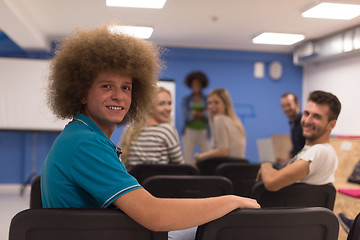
<point x="82" y="169"/>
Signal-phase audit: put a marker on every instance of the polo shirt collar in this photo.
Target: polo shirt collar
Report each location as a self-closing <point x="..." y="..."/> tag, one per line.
<point x="92" y="125"/>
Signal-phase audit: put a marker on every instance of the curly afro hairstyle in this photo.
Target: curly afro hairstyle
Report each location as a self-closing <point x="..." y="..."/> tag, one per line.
<point x="82" y="56"/>
<point x="196" y="75"/>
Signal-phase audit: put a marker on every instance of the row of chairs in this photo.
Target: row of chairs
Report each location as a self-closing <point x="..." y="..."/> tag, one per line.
<point x="272" y="223"/>
<point x="240" y="172"/>
<point x="206" y="166"/>
<point x="99" y="223"/>
<point x="228" y="178"/>
<point x="181" y="186"/>
<point x="295" y="195"/>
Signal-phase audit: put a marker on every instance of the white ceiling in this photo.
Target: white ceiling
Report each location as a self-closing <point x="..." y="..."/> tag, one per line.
<point x="220" y="24"/>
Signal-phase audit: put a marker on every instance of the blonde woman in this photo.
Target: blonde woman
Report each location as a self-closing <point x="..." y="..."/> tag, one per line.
<point x="154" y="140"/>
<point x="227" y="130"/>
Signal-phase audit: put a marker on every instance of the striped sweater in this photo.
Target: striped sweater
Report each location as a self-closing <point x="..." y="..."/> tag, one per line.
<point x="157" y="144"/>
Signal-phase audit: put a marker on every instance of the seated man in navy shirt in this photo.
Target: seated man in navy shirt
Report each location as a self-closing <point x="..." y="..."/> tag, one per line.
<point x="291" y="107"/>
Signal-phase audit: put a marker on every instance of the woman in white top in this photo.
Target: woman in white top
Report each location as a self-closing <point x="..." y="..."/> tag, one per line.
<point x="154" y="140"/>
<point x="227" y="130"/>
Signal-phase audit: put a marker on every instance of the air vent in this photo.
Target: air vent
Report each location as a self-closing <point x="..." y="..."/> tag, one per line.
<point x="330" y="47"/>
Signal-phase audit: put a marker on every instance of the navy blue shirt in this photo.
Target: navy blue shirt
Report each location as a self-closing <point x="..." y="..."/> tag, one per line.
<point x="297" y="138"/>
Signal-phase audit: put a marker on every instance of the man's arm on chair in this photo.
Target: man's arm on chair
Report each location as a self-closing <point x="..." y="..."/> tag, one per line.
<point x="275" y="180"/>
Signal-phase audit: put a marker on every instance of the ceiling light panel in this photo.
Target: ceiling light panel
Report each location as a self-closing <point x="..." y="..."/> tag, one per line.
<point x="136" y="3"/>
<point x="278" y="38"/>
<point x="134" y="31"/>
<point x="333" y="11"/>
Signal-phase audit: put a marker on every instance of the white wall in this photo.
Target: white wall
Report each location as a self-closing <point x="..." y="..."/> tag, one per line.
<point x="340" y="77"/>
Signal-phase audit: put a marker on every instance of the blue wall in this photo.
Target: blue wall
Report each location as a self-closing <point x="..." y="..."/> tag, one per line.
<point x="23" y="152"/>
<point x="256" y="101"/>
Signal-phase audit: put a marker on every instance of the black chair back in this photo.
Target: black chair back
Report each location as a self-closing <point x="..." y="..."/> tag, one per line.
<point x="281" y="224"/>
<point x="143" y="171"/>
<point x="188" y="186"/>
<point x="354" y="233"/>
<point x="35" y="194"/>
<point x="207" y="166"/>
<point x="296" y="195"/>
<point x="243" y="176"/>
<point x="76" y="224"/>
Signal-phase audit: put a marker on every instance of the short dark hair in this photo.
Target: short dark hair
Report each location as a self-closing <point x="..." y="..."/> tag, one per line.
<point x="196" y="75"/>
<point x="326" y="98"/>
<point x="296" y="99"/>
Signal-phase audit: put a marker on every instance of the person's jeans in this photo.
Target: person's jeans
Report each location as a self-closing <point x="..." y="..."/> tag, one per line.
<point x="186" y="234"/>
<point x="192" y="138"/>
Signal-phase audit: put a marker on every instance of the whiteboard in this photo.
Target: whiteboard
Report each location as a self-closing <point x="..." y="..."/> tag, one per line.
<point x="23" y="106"/>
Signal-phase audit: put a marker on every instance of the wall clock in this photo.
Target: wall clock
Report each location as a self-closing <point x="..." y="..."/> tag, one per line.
<point x="275" y="70"/>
